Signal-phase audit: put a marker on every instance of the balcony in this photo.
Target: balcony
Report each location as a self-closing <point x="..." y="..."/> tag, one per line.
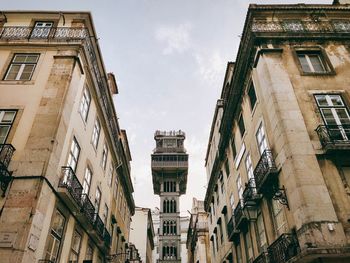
<point x="250" y="194"/>
<point x="240" y="218"/>
<point x="334" y="137"/>
<point x="169" y="150"/>
<point x="265" y="173"/>
<point x="70" y="188"/>
<point x="262" y="258"/>
<point x="170" y="162"/>
<point x="6" y="153"/>
<point x="283" y="248"/>
<point x="232" y="232"/>
<point x="71" y="191"/>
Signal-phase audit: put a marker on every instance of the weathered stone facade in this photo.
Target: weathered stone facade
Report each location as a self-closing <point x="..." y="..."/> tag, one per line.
<point x="88" y="188"/>
<point x="279" y="176"/>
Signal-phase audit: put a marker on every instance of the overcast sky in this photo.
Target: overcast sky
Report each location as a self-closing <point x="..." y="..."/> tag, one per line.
<point x="169" y="58"/>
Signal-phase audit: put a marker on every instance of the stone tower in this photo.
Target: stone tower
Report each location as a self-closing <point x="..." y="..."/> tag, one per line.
<point x="169" y="173"/>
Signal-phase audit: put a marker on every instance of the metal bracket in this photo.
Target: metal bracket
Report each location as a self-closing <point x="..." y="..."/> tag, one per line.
<point x="281" y="197"/>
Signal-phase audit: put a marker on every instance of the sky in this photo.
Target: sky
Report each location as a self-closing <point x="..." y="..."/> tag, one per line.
<point x="169" y="58"/>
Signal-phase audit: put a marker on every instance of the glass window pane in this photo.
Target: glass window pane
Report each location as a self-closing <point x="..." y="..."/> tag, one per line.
<point x="8" y="117"/>
<point x="3" y="133"/>
<point x="336" y="100"/>
<point x="343" y="116"/>
<point x="304" y="64"/>
<point x="316" y="63"/>
<point x="58" y="223"/>
<point x="321" y="100"/>
<point x="13" y="71"/>
<point x="328" y="117"/>
<point x="19" y="58"/>
<point x="31" y="58"/>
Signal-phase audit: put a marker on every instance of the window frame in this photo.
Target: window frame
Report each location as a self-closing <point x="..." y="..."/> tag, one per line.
<point x="75" y="141"/>
<point x="96" y="133"/>
<point x="252" y="87"/>
<point x="72" y="250"/>
<point x="239" y="123"/>
<point x="7" y="124"/>
<point x="84" y="101"/>
<point x="326" y="63"/>
<point x="22" y="66"/>
<point x="104" y="156"/>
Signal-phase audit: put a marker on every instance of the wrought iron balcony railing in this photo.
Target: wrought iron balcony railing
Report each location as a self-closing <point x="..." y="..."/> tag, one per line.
<point x="70" y="182"/>
<point x="334" y="136"/>
<point x="6" y="153"/>
<point x="88" y="208"/>
<point x="232" y="232"/>
<point x="239" y="216"/>
<point x="264" y="170"/>
<point x="262" y="258"/>
<point x="99" y="226"/>
<point x="250" y="193"/>
<point x="58" y="33"/>
<point x="283" y="248"/>
<point x="107" y="237"/>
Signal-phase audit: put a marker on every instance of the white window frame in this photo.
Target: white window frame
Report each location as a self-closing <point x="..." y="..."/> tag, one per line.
<point x="104" y="156"/>
<point x="96" y="134"/>
<point x="75" y="251"/>
<point x="311" y="66"/>
<point x="87" y="180"/>
<point x="261" y="139"/>
<point x="73" y="156"/>
<point x="85" y="103"/>
<point x="249" y="166"/>
<point x="22" y="66"/>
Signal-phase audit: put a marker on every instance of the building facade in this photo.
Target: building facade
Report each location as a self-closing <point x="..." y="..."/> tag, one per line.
<point x="142" y="233"/>
<point x="278" y="155"/>
<point x="169" y="172"/>
<point x="66" y="190"/>
<point x="198" y="234"/>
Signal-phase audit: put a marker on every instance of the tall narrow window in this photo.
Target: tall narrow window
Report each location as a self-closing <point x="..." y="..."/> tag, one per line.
<point x="241" y="125"/>
<point x="97" y="200"/>
<point x="252" y="95"/>
<point x="232" y="202"/>
<point x="249" y="166"/>
<point x="7" y="118"/>
<point x="261" y="232"/>
<point x="55" y="238"/>
<point x="73" y="154"/>
<point x="22" y="67"/>
<point x="96" y="133"/>
<point x="87" y="180"/>
<point x="222" y="185"/>
<point x="261" y="139"/>
<point x="239" y="187"/>
<point x="75" y="247"/>
<point x="312" y="62"/>
<point x="110" y="175"/>
<point x="116" y="182"/>
<point x="227" y="168"/>
<point x="233" y="146"/>
<point x="105" y="214"/>
<point x="104" y="156"/>
<point x="85" y="105"/>
<point x="41" y="29"/>
<point x="335" y="116"/>
<point x="280" y="220"/>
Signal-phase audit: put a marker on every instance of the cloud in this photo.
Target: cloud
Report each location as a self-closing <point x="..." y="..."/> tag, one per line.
<point x="176" y="38"/>
<point x="211" y="65"/>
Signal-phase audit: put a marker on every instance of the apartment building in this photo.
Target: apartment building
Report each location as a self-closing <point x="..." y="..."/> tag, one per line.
<point x="198" y="235"/>
<point x="66" y="190"/>
<point x="142" y="233"/>
<point x="278" y="158"/>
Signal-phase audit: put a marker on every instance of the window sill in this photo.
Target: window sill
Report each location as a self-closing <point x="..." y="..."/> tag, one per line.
<point x="17" y="82"/>
<point x="328" y="73"/>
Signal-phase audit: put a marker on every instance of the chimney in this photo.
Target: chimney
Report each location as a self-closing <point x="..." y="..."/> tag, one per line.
<point x="341" y="2"/>
<point x="112" y="83"/>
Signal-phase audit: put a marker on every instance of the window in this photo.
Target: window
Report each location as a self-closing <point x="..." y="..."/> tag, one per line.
<point x="96" y="133"/>
<point x="221" y="231"/>
<point x="85" y="105"/>
<point x="261" y="231"/>
<point x="41" y="29"/>
<point x="87" y="180"/>
<point x="261" y="139"/>
<point x="249" y="167"/>
<point x="312" y="62"/>
<point x="116" y="187"/>
<point x="73" y="154"/>
<point x="241" y="124"/>
<point x="233" y="146"/>
<point x="239" y="187"/>
<point x="7" y="118"/>
<point x="252" y="95"/>
<point x="279" y="217"/>
<point x="227" y="168"/>
<point x="222" y="186"/>
<point x="75" y="247"/>
<point x="335" y="115"/>
<point x="104" y="156"/>
<point x="110" y="175"/>
<point x="120" y="200"/>
<point x="97" y="200"/>
<point x="22" y="67"/>
<point x="89" y="252"/>
<point x="55" y="238"/>
<point x="105" y="214"/>
<point x="232" y="202"/>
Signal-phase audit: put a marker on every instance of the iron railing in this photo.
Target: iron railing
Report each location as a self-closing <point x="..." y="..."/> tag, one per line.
<point x="283" y="248"/>
<point x="88" y="208"/>
<point x="250" y="193"/>
<point x="238" y="214"/>
<point x="232" y="232"/>
<point x="265" y="166"/>
<point x="262" y="258"/>
<point x="6" y="153"/>
<point x="334" y="134"/>
<point x="57" y="33"/>
<point x="107" y="237"/>
<point x="71" y="183"/>
<point x="169" y="164"/>
<point x="169" y="133"/>
<point x="99" y="226"/>
<point x="302" y="26"/>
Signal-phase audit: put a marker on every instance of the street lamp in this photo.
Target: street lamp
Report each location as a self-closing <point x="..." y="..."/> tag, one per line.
<point x="250" y="210"/>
